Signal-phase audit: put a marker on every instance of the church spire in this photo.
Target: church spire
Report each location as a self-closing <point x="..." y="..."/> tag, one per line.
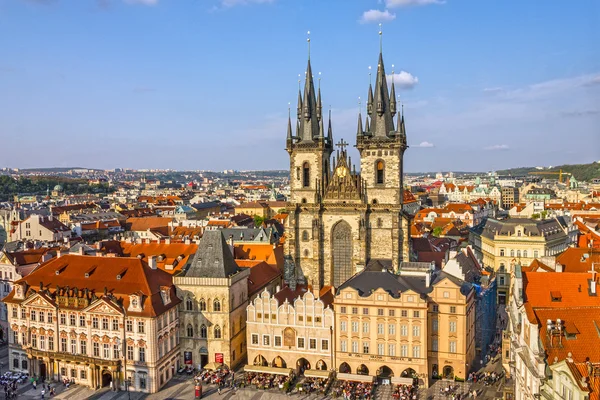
<point x="329" y="130"/>
<point x="367" y="126"/>
<point x="393" y="95"/>
<point x="319" y="105"/>
<point x="359" y="130"/>
<point x="289" y="128"/>
<point x="309" y="120"/>
<point x="381" y="112"/>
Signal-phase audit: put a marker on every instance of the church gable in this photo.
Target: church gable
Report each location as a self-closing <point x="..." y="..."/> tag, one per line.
<point x="344" y="183"/>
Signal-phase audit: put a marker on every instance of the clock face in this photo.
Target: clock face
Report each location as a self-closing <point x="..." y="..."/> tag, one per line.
<point x="341" y="171"/>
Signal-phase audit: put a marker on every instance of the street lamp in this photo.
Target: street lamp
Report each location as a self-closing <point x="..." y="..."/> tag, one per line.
<point x="124" y="355"/>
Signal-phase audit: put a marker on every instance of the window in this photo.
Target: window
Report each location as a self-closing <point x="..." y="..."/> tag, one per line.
<point x="416" y="331"/>
<point x="41" y="317"/>
<point x="436" y="308"/>
<point x="343" y="346"/>
<point x="216" y="305"/>
<point x="50" y="343"/>
<point x="24" y="364"/>
<point x="391" y="350"/>
<point x="342" y="310"/>
<point x="312" y="344"/>
<point x="63" y="345"/>
<point x="305" y="236"/>
<point x="83" y="374"/>
<point x="129" y="326"/>
<point x="525" y="253"/>
<point x="380" y="349"/>
<point x="452" y="347"/>
<point x="142" y="354"/>
<point x="190" y="330"/>
<point x="452" y="310"/>
<point x="324" y="345"/>
<point x="416" y="351"/>
<point x="434" y="345"/>
<point x="202" y="305"/>
<point x="43" y="342"/>
<point x="404" y="313"/>
<point x="73" y="373"/>
<point x="32" y="315"/>
<point x="23" y="313"/>
<point x="141" y="327"/>
<point x="380" y="311"/>
<point x="105" y="324"/>
<point x="318" y="320"/>
<point x="403" y="330"/>
<point x="380" y="329"/>
<point x="96" y="349"/>
<point x="189" y="305"/>
<point x="266" y="340"/>
<point x="217" y="332"/>
<point x="536" y="254"/>
<point x="254" y="339"/>
<point x="305" y="174"/>
<point x="434" y="325"/>
<point x="416" y="314"/>
<point x="501" y="281"/>
<point x="94" y="322"/>
<point x="391" y="313"/>
<point x="379" y="221"/>
<point x="391" y="329"/>
<point x="300" y="343"/>
<point x="453" y="326"/>
<point x="14" y="312"/>
<point x="354" y="310"/>
<point x="512" y="253"/>
<point x="366" y="311"/>
<point x="343" y="326"/>
<point x="355" y="347"/>
<point x="518" y="253"/>
<point x="354" y="326"/>
<point x="83" y="347"/>
<point x="142" y="381"/>
<point x="203" y="332"/>
<point x="403" y="350"/>
<point x="106" y="351"/>
<point x="72" y="320"/>
<point x="366" y="347"/>
<point x="34" y="341"/>
<point x="277" y="340"/>
<point x="446" y="294"/>
<point x="365" y="327"/>
<point x="81" y="320"/>
<point x="115" y="324"/>
<point x="379" y="173"/>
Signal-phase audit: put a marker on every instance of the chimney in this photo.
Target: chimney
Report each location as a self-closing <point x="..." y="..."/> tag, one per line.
<point x="593" y="287"/>
<point x="59" y="254"/>
<point x="46" y="257"/>
<point x="50" y="217"/>
<point x="277" y="289"/>
<point x="187" y="241"/>
<point x="81" y="252"/>
<point x="168" y="241"/>
<point x="152" y="262"/>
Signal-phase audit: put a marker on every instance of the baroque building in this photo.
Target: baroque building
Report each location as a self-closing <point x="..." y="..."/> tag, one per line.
<point x="340" y="218"/>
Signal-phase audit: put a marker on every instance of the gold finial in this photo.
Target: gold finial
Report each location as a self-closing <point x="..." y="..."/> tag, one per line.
<point x="308" y="41"/>
<point x="380" y="39"/>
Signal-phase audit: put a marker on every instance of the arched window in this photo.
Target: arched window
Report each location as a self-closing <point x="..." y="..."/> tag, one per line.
<point x="518" y="253"/>
<point x="306" y="253"/>
<point x="190" y="330"/>
<point x="379" y="222"/>
<point x="203" y="333"/>
<point x="305" y="174"/>
<point x="305" y="236"/>
<point x="525" y="253"/>
<point x="217" y="332"/>
<point x="189" y="305"/>
<point x="202" y="305"/>
<point x="216" y="305"/>
<point x="379" y="173"/>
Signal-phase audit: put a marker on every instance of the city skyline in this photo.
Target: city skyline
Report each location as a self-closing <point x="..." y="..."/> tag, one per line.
<point x="110" y="84"/>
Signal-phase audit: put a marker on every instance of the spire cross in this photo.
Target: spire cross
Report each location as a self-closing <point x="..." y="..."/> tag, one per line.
<point x="342" y="144"/>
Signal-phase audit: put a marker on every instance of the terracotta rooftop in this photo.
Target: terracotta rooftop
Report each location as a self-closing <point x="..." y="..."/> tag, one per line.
<point x="171" y="257"/>
<point x="144" y="223"/>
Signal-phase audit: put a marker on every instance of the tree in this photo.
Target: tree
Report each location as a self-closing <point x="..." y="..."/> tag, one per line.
<point x="437" y="231"/>
<point x="258" y="220"/>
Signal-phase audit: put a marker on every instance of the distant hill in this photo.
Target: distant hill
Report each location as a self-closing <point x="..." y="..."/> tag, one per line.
<point x="581" y="172"/>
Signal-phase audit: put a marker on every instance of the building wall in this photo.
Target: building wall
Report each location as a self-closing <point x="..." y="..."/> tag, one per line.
<point x="31" y="229"/>
<point x="286" y="339"/>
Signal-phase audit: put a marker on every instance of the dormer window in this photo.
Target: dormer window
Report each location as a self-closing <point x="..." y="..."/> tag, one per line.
<point x="165" y="294"/>
<point x="135" y="303"/>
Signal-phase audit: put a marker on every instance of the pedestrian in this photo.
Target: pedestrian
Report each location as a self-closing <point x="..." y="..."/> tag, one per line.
<point x="474" y="393"/>
<point x="43" y="393"/>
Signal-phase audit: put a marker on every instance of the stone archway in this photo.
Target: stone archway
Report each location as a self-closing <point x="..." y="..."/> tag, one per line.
<point x="341" y="252"/>
<point x="345" y="368"/>
<point x="321" y="365"/>
<point x="385" y="372"/>
<point x="106" y="378"/>
<point x="259" y="360"/>
<point x="302" y="365"/>
<point x="362" y="370"/>
<point x="448" y="372"/>
<point x="279" y="362"/>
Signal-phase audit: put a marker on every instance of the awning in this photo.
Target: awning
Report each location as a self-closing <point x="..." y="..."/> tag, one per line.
<point x="317" y="373"/>
<point x="356" y="377"/>
<point x="398" y="380"/>
<point x="213" y="365"/>
<point x="267" y="370"/>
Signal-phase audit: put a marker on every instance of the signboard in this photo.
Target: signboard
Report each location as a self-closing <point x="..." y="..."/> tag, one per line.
<point x="187" y="357"/>
<point x="219" y="358"/>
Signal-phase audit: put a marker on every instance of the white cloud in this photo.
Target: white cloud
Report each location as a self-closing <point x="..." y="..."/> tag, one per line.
<point x="425" y="144"/>
<point x="143" y="2"/>
<point x="407" y="3"/>
<point x="404" y="79"/>
<point x="493" y="90"/>
<point x="376" y="16"/>
<point x="497" y="147"/>
<point x="233" y="3"/>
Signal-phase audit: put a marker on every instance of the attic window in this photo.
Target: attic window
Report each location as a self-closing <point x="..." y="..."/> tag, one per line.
<point x="555" y="296"/>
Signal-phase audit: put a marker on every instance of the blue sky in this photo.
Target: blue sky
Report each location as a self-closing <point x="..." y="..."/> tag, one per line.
<point x="205" y="84"/>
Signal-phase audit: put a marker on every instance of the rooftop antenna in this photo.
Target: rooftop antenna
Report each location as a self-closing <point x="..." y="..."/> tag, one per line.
<point x="308" y="41"/>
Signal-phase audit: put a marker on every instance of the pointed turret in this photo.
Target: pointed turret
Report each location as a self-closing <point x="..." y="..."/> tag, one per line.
<point x="367" y="126"/>
<point x="359" y="131"/>
<point x="319" y="106"/>
<point x="370" y="100"/>
<point x="382" y="123"/>
<point x="289" y="139"/>
<point x="393" y="97"/>
<point x="329" y="131"/>
<point x="309" y="121"/>
<point x="299" y="101"/>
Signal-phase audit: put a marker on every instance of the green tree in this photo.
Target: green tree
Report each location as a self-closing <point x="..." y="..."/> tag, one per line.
<point x="258" y="220"/>
<point x="437" y="231"/>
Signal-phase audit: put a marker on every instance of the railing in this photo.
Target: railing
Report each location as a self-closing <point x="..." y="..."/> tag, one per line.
<point x="78" y="358"/>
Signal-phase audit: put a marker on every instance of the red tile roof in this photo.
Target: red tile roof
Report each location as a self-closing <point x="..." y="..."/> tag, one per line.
<point x="144" y="223"/>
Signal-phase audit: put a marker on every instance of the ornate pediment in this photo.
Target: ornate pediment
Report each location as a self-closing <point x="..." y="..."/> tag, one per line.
<point x="39" y="300"/>
<point x="103" y="307"/>
<point x="344" y="183"/>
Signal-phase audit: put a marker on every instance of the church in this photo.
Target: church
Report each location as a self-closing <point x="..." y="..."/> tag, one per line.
<point x="341" y="220"/>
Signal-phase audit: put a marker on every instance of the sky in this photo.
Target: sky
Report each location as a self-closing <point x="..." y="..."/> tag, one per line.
<point x="205" y="84"/>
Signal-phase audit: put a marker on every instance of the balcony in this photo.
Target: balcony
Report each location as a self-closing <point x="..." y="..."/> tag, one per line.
<point x="69" y="357"/>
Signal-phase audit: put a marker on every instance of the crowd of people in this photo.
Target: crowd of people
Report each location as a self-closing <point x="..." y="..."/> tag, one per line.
<point x="351" y="390"/>
<point x="319" y="385"/>
<point x="405" y="392"/>
<point x="453" y="392"/>
<point x="217" y="377"/>
<point x="266" y="381"/>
